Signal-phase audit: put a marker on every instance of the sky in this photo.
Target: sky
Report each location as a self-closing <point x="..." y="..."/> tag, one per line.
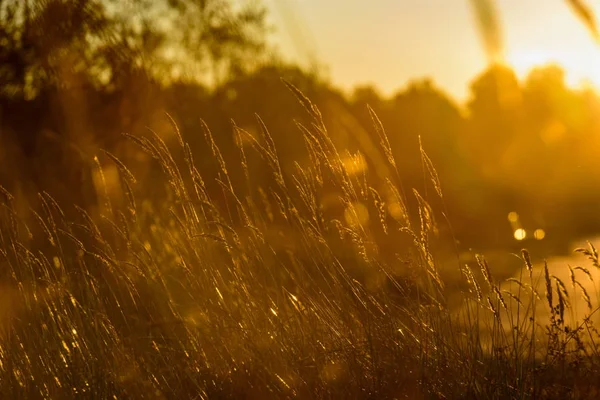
<point x="387" y="43"/>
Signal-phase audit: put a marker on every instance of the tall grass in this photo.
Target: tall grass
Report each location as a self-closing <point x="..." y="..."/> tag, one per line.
<point x="226" y="289"/>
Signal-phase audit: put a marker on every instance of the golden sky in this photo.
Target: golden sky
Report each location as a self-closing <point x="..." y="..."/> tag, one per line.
<point x="388" y="42"/>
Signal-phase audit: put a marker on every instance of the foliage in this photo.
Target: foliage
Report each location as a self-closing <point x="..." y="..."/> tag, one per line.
<point x="64" y="43"/>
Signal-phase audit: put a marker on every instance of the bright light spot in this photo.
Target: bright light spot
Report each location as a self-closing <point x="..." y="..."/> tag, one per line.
<point x="580" y="65"/>
<point x="66" y="347"/>
<point x="283" y="381"/>
<point x="522" y="62"/>
<point x="219" y="293"/>
<point x="356" y="214"/>
<point x="539" y="234"/>
<point x="354" y="164"/>
<point x="273" y="311"/>
<point x="513" y="216"/>
<point x="396" y="210"/>
<point x="520" y="234"/>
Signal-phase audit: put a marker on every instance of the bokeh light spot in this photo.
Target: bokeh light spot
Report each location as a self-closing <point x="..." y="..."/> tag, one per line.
<point x="357" y="214"/>
<point x="520" y="234"/>
<point x="539" y="234"/>
<point x="355" y="164"/>
<point x="396" y="210"/>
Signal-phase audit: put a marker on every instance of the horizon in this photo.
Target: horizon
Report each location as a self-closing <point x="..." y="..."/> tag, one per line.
<point x="532" y="37"/>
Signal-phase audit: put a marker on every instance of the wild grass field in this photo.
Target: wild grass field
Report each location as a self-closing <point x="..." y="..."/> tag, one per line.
<point x="220" y="289"/>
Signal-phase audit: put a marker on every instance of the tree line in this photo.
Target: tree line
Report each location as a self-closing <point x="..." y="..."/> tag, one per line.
<point x="77" y="74"/>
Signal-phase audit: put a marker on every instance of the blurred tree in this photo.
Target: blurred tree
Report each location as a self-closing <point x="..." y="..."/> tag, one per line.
<point x="552" y="108"/>
<point x="495" y="119"/>
<point x="91" y="69"/>
<point x="61" y="43"/>
<point x="562" y="126"/>
<point x="422" y="110"/>
<point x="363" y="96"/>
<point x="42" y="40"/>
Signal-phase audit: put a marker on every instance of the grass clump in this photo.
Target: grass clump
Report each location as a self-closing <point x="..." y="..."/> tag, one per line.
<point x="222" y="287"/>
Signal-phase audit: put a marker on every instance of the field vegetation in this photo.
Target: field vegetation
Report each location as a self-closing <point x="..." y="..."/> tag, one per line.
<point x="255" y="237"/>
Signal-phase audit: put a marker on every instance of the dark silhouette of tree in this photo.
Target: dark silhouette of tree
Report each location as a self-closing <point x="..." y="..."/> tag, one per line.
<point x="89" y="70"/>
<point x="561" y="126"/>
<point x="495" y="118"/>
<point x="58" y="43"/>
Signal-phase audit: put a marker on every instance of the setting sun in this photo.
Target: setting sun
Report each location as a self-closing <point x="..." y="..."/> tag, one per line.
<point x="447" y="48"/>
<point x="581" y="66"/>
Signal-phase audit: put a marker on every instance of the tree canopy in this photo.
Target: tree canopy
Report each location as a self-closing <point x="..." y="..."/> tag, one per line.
<point x="101" y="43"/>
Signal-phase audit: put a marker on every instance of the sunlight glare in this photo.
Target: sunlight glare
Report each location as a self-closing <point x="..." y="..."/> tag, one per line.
<point x="581" y="66"/>
<point x="354" y="163"/>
